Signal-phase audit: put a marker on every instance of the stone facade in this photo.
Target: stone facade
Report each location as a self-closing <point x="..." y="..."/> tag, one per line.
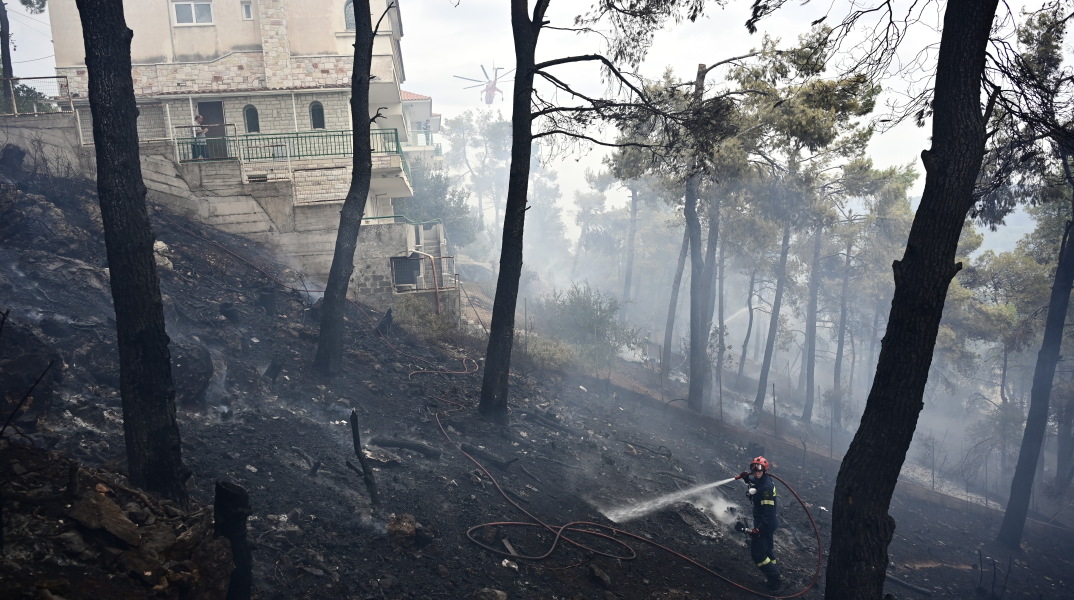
<point x="235" y="72"/>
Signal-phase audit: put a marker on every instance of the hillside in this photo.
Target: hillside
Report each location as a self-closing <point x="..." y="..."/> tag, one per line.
<point x="466" y="509"/>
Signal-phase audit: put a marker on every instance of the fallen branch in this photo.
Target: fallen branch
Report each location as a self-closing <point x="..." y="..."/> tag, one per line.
<point x="367" y="471"/>
<point x="311" y="462"/>
<point x="420" y="447"/>
<point x="26" y="395"/>
<point x="562" y="464"/>
<point x="662" y="451"/>
<point x="908" y="586"/>
<point x="69" y="493"/>
<point x="488" y="457"/>
<point x="685" y="478"/>
<point x="527" y="472"/>
<point x="544" y="420"/>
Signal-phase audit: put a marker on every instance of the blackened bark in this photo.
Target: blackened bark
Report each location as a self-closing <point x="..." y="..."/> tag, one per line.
<point x="837" y="389"/>
<point x="329" y="358"/>
<point x="700" y="272"/>
<point x="721" y="333"/>
<point x="494" y="384"/>
<point x="231" y="507"/>
<point x="749" y="328"/>
<point x="5" y="58"/>
<point x="861" y="526"/>
<point x="709" y="285"/>
<point x="773" y="324"/>
<point x="673" y="303"/>
<point x="811" y="326"/>
<point x="150" y="430"/>
<point x="1014" y="518"/>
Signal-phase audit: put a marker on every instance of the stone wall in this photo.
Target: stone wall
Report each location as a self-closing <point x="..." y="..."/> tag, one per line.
<point x="372" y="278"/>
<point x="51" y="143"/>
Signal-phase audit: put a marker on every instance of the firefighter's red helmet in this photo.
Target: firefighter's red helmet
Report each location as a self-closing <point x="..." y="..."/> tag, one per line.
<point x="760" y="460"/>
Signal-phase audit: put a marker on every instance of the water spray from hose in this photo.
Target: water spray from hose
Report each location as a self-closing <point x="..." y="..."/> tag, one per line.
<point x="628" y="513"/>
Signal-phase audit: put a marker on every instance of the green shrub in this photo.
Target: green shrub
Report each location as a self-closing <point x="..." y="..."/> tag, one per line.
<point x="587" y="321"/>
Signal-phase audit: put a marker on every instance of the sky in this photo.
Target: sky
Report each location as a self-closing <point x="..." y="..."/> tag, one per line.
<point x="445" y="38"/>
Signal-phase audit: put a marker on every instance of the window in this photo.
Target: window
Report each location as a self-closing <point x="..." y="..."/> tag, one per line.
<point x="247" y="10"/>
<point x="316" y="115"/>
<point x="193" y="13"/>
<point x="253" y="123"/>
<point x="348" y="14"/>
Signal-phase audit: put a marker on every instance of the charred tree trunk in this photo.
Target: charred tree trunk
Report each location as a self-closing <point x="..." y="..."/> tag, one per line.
<point x="773" y="326"/>
<point x="632" y="232"/>
<point x="1014" y="518"/>
<point x="154" y="453"/>
<point x="701" y="267"/>
<point x="494" y="384"/>
<point x="231" y="508"/>
<point x="1064" y="444"/>
<point x="837" y="390"/>
<point x="749" y="327"/>
<point x="5" y="58"/>
<point x="700" y="363"/>
<point x="329" y="358"/>
<point x="861" y="526"/>
<point x="721" y="331"/>
<point x="810" y="362"/>
<point x="711" y="273"/>
<point x="873" y="337"/>
<point x="669" y="327"/>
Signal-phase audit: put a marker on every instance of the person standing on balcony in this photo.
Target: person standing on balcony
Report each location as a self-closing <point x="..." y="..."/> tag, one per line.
<point x="201" y="146"/>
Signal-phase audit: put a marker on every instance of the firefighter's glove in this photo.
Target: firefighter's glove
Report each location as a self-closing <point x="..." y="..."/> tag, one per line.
<point x="742" y="475"/>
<point x="755" y="532"/>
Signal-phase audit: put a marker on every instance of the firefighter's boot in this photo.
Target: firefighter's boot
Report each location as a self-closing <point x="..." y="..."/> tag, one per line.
<point x="775" y="580"/>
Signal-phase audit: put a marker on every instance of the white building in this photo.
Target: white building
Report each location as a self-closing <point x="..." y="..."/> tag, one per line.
<point x="272" y="80"/>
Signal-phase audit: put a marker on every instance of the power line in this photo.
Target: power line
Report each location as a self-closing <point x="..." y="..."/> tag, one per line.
<point x="31" y="28"/>
<point x="18" y="14"/>
<point x="18" y="62"/>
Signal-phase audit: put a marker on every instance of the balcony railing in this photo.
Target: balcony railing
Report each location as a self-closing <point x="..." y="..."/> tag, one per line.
<point x="253" y="147"/>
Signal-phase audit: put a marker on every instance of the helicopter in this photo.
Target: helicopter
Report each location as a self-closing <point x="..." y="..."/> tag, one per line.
<point x="490" y="90"/>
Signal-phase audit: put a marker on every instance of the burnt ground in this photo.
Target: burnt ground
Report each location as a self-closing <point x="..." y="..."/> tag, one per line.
<point x="470" y="510"/>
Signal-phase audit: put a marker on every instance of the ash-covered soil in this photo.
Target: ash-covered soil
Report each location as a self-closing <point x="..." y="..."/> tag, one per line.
<point x="466" y="509"/>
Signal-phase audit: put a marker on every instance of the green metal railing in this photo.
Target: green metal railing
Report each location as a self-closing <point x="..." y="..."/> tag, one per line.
<point x="283" y="146"/>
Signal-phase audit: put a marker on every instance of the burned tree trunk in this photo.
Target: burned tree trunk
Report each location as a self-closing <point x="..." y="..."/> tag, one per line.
<point x="329" y="357"/>
<point x="494" y="383"/>
<point x="861" y="526"/>
<point x="230" y="510"/>
<point x="1014" y="518"/>
<point x="749" y="328"/>
<point x="810" y="355"/>
<point x="367" y="470"/>
<point x="8" y="101"/>
<point x="840" y="347"/>
<point x="673" y="303"/>
<point x="149" y="426"/>
<point x="773" y="326"/>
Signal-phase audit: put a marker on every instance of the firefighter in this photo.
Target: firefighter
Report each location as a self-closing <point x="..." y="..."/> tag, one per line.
<point x="762" y="494"/>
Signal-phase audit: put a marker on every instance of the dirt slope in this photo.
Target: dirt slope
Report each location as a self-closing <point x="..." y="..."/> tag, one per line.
<point x="468" y="511"/>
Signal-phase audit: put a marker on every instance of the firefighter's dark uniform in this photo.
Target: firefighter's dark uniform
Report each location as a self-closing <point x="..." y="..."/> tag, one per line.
<point x="765" y="502"/>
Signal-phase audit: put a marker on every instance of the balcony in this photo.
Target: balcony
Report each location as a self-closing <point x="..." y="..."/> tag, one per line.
<point x="274" y="156"/>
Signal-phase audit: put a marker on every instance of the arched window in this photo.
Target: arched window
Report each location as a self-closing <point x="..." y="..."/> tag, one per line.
<point x="316" y="115"/>
<point x="348" y="14"/>
<point x="253" y="123"/>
